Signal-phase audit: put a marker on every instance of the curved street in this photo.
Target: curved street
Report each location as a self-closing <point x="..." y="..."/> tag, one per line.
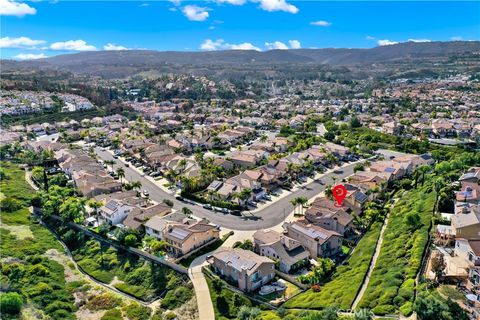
<point x="267" y="217"/>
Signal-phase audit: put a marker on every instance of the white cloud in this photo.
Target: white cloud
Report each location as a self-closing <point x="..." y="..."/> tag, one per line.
<point x="72" y="45"/>
<point x="419" y="40"/>
<point x="294" y="44"/>
<point x="277" y="5"/>
<point x="195" y="13"/>
<point x="456" y="38"/>
<point x="242" y="46"/>
<point x="176" y="2"/>
<point x="234" y="2"/>
<point x="12" y="8"/>
<point x="220" y="44"/>
<point x="370" y="38"/>
<point x="277" y="45"/>
<point x="111" y="46"/>
<point x="30" y="56"/>
<point x="386" y="42"/>
<point x="145" y="4"/>
<point x="20" y="42"/>
<point x="321" y="23"/>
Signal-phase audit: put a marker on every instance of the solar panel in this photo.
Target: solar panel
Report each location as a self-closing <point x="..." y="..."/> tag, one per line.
<point x="112" y="205"/>
<point x="179" y="233"/>
<point x="389" y="169"/>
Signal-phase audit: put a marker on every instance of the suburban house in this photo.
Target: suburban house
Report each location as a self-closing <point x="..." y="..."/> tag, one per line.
<point x="89" y="176"/>
<point x="324" y="213"/>
<point x="356" y="199"/>
<point x="368" y="180"/>
<point x="247" y="270"/>
<point x="340" y="152"/>
<point x="288" y="252"/>
<point x="183" y="237"/>
<point x="138" y="216"/>
<point x="470" y="190"/>
<point x="318" y="241"/>
<point x="249" y="179"/>
<point x="115" y="211"/>
<point x="466" y="224"/>
<point x="155" y="225"/>
<point x="394" y="169"/>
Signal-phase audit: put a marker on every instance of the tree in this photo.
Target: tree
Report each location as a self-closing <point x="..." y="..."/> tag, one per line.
<point x="412" y="220"/>
<point x="294" y="203"/>
<point x="423" y="170"/>
<point x="10" y="303"/>
<point x="95" y="205"/>
<point x="186" y="211"/>
<point x="72" y="210"/>
<point x="438" y="185"/>
<point x="355" y="123"/>
<point x="136" y="185"/>
<point x="438" y="264"/>
<point x="248" y="313"/>
<point x="121" y="173"/>
<point x="131" y="240"/>
<point x="263" y="138"/>
<point x="301" y="201"/>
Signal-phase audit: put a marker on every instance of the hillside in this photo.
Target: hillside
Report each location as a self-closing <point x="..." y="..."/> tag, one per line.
<point x="114" y="64"/>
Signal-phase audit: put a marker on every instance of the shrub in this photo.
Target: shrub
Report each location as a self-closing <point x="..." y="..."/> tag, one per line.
<point x="103" y="301"/>
<point x="112" y="314"/>
<point x="10" y="204"/>
<point x="136" y="311"/>
<point x="10" y="303"/>
<point x="175" y="298"/>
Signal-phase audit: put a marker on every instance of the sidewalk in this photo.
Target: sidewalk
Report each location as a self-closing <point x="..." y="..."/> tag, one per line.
<point x="204" y="301"/>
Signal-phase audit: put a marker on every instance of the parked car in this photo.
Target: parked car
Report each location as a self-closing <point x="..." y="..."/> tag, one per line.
<point x="208" y="206"/>
<point x="236" y="212"/>
<point x="267" y="197"/>
<point x="127" y="165"/>
<point x="338" y="171"/>
<point x="179" y="198"/>
<point x="145" y="193"/>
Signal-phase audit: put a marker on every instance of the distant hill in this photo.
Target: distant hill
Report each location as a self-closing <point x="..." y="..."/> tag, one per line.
<point x="123" y="63"/>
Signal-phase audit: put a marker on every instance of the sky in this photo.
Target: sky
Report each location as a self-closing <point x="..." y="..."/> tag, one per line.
<point x="38" y="29"/>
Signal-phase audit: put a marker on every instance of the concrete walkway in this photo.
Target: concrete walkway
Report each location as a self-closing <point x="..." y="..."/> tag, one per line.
<point x="204" y="301"/>
<point x="372" y="265"/>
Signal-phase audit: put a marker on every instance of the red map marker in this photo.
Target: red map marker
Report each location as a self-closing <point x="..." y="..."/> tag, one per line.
<point x="339" y="192"/>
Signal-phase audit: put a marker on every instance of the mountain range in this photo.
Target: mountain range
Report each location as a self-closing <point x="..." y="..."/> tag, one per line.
<point x="129" y="62"/>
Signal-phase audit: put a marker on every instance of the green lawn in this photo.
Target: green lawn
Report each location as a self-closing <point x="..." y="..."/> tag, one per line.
<point x="346" y="281"/>
<point x="391" y="286"/>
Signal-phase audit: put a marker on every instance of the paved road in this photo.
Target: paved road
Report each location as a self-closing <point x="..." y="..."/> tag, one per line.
<point x="267" y="217"/>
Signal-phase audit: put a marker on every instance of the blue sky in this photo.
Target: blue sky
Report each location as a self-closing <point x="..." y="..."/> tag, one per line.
<point x="46" y="28"/>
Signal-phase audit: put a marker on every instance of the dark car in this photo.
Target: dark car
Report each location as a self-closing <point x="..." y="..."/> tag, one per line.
<point x="236" y="212"/>
<point x="338" y="171"/>
<point x="179" y="198"/>
<point x="208" y="206"/>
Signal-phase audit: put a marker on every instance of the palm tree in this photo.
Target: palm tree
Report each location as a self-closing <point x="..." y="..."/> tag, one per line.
<point x="182" y="164"/>
<point x="329" y="192"/>
<point x="136" y="185"/>
<point x="423" y="170"/>
<point x="121" y="173"/>
<point x="110" y="162"/>
<point x="95" y="205"/>
<point x="263" y="138"/>
<point x="243" y="195"/>
<point x="212" y="194"/>
<point x="438" y="185"/>
<point x="301" y="202"/>
<point x="294" y="203"/>
<point x="186" y="211"/>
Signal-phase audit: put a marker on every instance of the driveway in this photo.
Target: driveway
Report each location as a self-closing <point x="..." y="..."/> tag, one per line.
<point x="267" y="217"/>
